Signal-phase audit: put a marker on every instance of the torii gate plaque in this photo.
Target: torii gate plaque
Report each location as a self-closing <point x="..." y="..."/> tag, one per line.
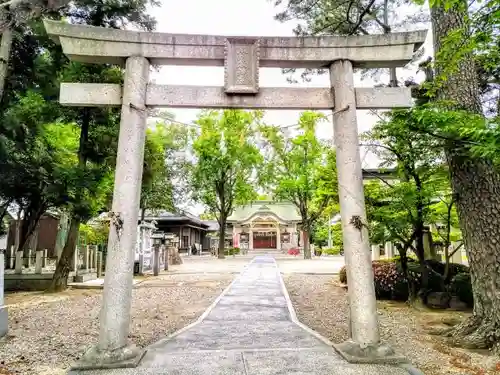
<point x="242" y="57"/>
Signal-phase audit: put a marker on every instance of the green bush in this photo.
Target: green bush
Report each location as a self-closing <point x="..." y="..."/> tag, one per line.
<point x="461" y="287"/>
<point x="232" y="251"/>
<point x="390" y="282"/>
<point x="332" y="251"/>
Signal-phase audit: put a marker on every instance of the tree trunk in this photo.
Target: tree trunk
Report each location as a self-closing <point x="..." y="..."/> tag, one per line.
<point x="60" y="278"/>
<point x="222" y="238"/>
<point x="476" y="186"/>
<point x="5" y="47"/>
<point x="32" y="215"/>
<point x="307" y="247"/>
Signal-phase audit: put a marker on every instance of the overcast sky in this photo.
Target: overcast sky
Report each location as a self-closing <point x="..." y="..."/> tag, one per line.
<point x="252" y="18"/>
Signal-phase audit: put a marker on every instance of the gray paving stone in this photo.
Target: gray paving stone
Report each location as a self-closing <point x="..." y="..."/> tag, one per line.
<point x="204" y="363"/>
<point x="248" y="332"/>
<point x="276" y="301"/>
<point x="317" y="362"/>
<point x="239" y="291"/>
<point x="249" y="312"/>
<point x="240" y="334"/>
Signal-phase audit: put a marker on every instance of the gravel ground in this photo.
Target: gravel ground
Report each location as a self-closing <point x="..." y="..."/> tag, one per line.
<point x="48" y="332"/>
<point x="321" y="304"/>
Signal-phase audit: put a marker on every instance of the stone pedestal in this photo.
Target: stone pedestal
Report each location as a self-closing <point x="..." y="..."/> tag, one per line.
<point x="38" y="261"/>
<point x="364" y="344"/>
<point x="85" y="251"/>
<point x="4" y="324"/>
<point x="19" y="262"/>
<point x="12" y="258"/>
<point x="375" y="252"/>
<point x="99" y="264"/>
<point x="141" y="264"/>
<point x="389" y="250"/>
<point x="156" y="260"/>
<point x="113" y="349"/>
<point x="44" y="258"/>
<point x="165" y="257"/>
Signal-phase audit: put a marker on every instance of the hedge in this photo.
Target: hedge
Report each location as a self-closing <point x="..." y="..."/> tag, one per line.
<point x="391" y="284"/>
<point x="232" y="251"/>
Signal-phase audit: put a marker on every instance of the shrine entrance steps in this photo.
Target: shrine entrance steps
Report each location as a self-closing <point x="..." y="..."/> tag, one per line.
<point x="251" y="329"/>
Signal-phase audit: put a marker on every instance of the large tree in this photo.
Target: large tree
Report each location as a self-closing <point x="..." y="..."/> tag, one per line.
<point x="98" y="126"/>
<point x="401" y="209"/>
<point x="475" y="178"/>
<point x="350" y="17"/>
<point x="162" y="166"/>
<point x="302" y="170"/>
<point x="224" y="172"/>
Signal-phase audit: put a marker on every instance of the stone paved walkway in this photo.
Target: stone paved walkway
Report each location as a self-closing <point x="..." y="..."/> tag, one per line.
<point x="251" y="330"/>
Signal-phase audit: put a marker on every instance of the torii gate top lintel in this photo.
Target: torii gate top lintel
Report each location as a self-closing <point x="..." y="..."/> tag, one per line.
<point x="241" y="57"/>
<point x="104" y="45"/>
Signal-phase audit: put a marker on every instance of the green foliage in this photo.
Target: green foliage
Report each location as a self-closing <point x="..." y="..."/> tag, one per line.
<point x="232" y="251"/>
<point x="320" y="234"/>
<point x="301" y="169"/>
<point x="161" y="165"/>
<point x="351" y="17"/>
<point x="419" y="194"/>
<point x="52" y="156"/>
<point x="95" y="233"/>
<point x="224" y="172"/>
<point x="207" y="216"/>
<point x="332" y="251"/>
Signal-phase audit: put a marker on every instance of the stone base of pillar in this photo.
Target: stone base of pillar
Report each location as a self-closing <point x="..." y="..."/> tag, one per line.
<point x="96" y="359"/>
<point x="352" y="352"/>
<point x="4" y="321"/>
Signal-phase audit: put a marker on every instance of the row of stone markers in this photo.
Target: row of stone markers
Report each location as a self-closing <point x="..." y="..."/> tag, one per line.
<point x="86" y="259"/>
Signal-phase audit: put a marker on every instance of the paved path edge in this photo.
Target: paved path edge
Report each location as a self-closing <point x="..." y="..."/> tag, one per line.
<point x="406" y="366"/>
<point x="200" y="319"/>
<point x="293" y="315"/>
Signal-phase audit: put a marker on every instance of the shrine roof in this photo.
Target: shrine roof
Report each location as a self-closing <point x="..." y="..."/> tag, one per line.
<point x="167" y="216"/>
<point x="285" y="211"/>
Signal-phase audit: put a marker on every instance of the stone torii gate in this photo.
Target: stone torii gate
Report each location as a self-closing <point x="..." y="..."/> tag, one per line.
<point x="241" y="57"/>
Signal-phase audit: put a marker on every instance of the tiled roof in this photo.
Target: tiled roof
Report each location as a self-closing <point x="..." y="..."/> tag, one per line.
<point x="164" y="215"/>
<point x="284" y="210"/>
<point x="213" y="225"/>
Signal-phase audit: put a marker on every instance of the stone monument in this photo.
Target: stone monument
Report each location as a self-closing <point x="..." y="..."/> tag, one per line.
<point x="241" y="57"/>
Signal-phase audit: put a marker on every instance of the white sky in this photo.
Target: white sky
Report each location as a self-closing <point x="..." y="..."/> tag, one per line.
<point x="252" y="18"/>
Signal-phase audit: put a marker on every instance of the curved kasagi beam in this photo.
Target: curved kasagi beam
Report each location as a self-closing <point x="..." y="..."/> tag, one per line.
<point x="103" y="45"/>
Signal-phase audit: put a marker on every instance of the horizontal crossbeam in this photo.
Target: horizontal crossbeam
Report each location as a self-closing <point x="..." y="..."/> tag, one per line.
<point x="96" y="94"/>
<point x="103" y="45"/>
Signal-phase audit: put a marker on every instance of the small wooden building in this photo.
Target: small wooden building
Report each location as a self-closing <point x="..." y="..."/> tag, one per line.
<point x="190" y="229"/>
